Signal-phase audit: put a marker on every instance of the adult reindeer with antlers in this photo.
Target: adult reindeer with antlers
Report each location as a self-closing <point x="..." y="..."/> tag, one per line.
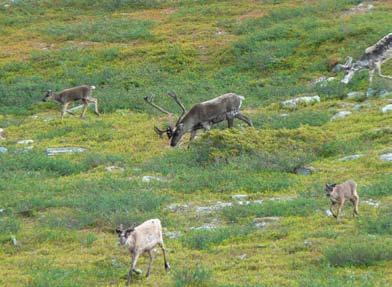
<point x="201" y="116"/>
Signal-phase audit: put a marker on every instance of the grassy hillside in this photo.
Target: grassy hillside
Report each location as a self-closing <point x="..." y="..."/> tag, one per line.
<point x="62" y="210"/>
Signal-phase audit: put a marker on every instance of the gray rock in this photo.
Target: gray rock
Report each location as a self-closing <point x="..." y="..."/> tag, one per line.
<point x="172" y="234"/>
<point x="372" y="203"/>
<point x="262" y="222"/>
<point x="355" y="95"/>
<point x="304" y="170"/>
<point x="64" y="150"/>
<point x="371" y="92"/>
<point x="351" y="157"/>
<point x="293" y="103"/>
<point x="207" y="226"/>
<point x="177" y="207"/>
<point x="384" y="93"/>
<point x="217" y="206"/>
<point x="386" y="157"/>
<point x="2" y="134"/>
<point x="239" y="197"/>
<point x="25" y="142"/>
<point x="149" y="178"/>
<point x="3" y="149"/>
<point x="340" y="115"/>
<point x="114" y="168"/>
<point x="328" y="212"/>
<point x="387" y="108"/>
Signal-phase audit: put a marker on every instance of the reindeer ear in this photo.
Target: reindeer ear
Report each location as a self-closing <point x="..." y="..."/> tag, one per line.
<point x="118" y="230"/>
<point x="129" y="231"/>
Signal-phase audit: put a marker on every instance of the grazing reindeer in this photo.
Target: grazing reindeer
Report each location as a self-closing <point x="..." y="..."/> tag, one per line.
<point x="68" y="96"/>
<point x="202" y="115"/>
<point x="372" y="60"/>
<point x="140" y="239"/>
<point x="339" y="193"/>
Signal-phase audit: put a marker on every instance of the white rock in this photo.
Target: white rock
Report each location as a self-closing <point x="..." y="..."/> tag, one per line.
<point x="293" y="103"/>
<point x="25" y="142"/>
<point x="355" y="95"/>
<point x="341" y="115"/>
<point x="262" y="222"/>
<point x="372" y="203"/>
<point x="239" y="196"/>
<point x="176" y="207"/>
<point x="386" y="157"/>
<point x="351" y="157"/>
<point x="113" y="168"/>
<point x="328" y="212"/>
<point x="2" y="134"/>
<point x="387" y="108"/>
<point x="217" y="206"/>
<point x="3" y="149"/>
<point x="149" y="178"/>
<point x="172" y="234"/>
<point x="64" y="150"/>
<point x="207" y="226"/>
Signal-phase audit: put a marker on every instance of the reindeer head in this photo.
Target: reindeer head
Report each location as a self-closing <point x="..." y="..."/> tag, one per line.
<point x="329" y="188"/>
<point x="123" y="234"/>
<point x="350" y="69"/>
<point x="48" y="95"/>
<point x="174" y="134"/>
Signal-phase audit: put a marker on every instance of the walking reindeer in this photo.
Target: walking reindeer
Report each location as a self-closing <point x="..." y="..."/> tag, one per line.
<point x="372" y="60"/>
<point x="201" y="116"/>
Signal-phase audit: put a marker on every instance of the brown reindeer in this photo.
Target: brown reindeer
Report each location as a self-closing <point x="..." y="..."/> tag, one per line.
<point x="339" y="193"/>
<point x="68" y="96"/>
<point x="202" y="115"/>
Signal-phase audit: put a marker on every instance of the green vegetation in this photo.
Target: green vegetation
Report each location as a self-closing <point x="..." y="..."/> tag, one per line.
<point x="58" y="213"/>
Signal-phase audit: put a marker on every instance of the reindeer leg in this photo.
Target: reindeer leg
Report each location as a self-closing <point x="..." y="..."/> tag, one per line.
<point x="245" y="119"/>
<point x="356" y="203"/>
<point x="95" y="101"/>
<point x="331" y="209"/>
<point x="339" y="209"/>
<point x="167" y="265"/>
<point x="378" y="67"/>
<point x="135" y="257"/>
<point x="230" y="122"/>
<point x="63" y="111"/>
<point x="149" y="263"/>
<point x="193" y="134"/>
<point x="85" y="104"/>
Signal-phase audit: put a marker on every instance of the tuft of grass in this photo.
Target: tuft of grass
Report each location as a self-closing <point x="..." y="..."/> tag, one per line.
<point x="205" y="239"/>
<point x="381" y="188"/>
<point x="198" y="276"/>
<point x="381" y="224"/>
<point x="364" y="252"/>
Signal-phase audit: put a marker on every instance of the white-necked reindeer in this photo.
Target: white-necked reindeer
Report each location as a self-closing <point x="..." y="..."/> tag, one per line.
<point x="202" y="115"/>
<point x="67" y="96"/>
<point x="372" y="60"/>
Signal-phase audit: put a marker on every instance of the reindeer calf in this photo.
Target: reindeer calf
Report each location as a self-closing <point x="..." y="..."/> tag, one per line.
<point x="141" y="239"/>
<point x="68" y="96"/>
<point x="339" y="193"/>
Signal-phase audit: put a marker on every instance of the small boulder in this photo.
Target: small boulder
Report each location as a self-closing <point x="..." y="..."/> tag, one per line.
<point x="341" y="115"/>
<point x="114" y="168"/>
<point x="261" y="222"/>
<point x="355" y="95"/>
<point x="386" y="157"/>
<point x="240" y="197"/>
<point x="351" y="157"/>
<point x="2" y="134"/>
<point x="3" y="149"/>
<point x="303" y="170"/>
<point x="25" y="142"/>
<point x="149" y="178"/>
<point x="64" y="150"/>
<point x="387" y="108"/>
<point x="293" y="103"/>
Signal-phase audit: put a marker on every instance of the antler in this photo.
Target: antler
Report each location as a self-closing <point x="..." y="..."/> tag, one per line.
<point x="149" y="100"/>
<point x="178" y="101"/>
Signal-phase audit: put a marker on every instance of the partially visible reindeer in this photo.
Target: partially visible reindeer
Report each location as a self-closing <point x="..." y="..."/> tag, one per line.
<point x="67" y="96"/>
<point x="339" y="193"/>
<point x="372" y="60"/>
<point x="202" y="115"/>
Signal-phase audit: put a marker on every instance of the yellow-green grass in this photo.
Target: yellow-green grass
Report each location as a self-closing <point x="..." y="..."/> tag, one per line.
<point x="63" y="210"/>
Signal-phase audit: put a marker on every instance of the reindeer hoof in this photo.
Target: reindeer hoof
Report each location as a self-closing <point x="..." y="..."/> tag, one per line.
<point x="167" y="267"/>
<point x="137" y="271"/>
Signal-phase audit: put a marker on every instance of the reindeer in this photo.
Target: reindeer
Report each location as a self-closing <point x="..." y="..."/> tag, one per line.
<point x="339" y="193"/>
<point x="372" y="60"/>
<point x="68" y="96"/>
<point x="142" y="239"/>
<point x="201" y="116"/>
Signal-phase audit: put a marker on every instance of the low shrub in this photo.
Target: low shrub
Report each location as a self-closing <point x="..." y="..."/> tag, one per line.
<point x="358" y="252"/>
<point x="205" y="239"/>
<point x="381" y="224"/>
<point x="197" y="276"/>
